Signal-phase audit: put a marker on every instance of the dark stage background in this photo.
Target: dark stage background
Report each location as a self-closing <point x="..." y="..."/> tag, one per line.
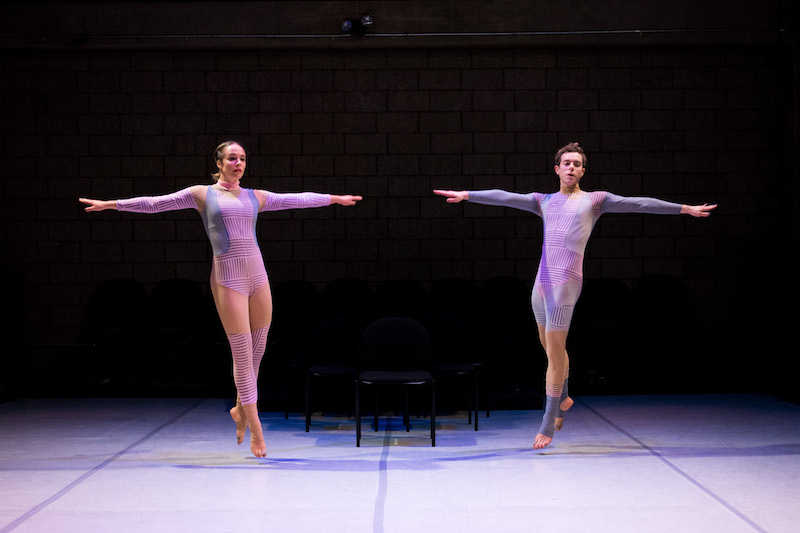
<point x="687" y="101"/>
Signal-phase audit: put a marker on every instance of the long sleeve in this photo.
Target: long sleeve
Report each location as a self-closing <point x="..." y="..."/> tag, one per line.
<point x="612" y="203"/>
<point x="526" y="202"/>
<point x="183" y="199"/>
<point x="282" y="201"/>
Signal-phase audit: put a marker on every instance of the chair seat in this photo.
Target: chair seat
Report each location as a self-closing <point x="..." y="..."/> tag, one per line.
<point x="454" y="368"/>
<point x="405" y="377"/>
<point x="333" y="370"/>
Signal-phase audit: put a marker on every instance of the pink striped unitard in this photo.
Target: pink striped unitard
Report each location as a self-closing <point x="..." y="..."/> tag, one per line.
<point x="568" y="222"/>
<point x="229" y="217"/>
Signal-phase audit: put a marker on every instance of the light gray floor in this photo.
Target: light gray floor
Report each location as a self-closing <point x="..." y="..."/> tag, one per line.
<point x="719" y="463"/>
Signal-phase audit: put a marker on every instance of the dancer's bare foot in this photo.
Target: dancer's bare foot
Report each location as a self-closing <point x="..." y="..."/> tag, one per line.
<point x="565" y="405"/>
<point x="237" y="413"/>
<point x="257" y="444"/>
<point x="541" y="441"/>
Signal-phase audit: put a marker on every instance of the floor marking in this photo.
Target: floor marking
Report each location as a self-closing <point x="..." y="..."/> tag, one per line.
<point x="383" y="482"/>
<point x="55" y="497"/>
<point x="677" y="470"/>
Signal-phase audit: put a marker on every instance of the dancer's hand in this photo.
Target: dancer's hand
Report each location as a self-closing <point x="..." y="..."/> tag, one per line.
<point x="453" y="197"/>
<point x="346" y="200"/>
<point x="698" y="210"/>
<point x="97" y="205"/>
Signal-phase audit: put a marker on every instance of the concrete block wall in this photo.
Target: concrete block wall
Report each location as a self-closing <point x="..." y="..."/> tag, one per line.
<point x="690" y="103"/>
<point x="672" y="122"/>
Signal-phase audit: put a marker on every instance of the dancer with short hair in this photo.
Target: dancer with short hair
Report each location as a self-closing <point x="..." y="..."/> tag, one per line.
<point x="569" y="216"/>
<point x="239" y="282"/>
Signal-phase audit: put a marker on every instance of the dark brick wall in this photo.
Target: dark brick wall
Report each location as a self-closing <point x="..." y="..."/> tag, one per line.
<point x="390" y="125"/>
<point x="689" y="123"/>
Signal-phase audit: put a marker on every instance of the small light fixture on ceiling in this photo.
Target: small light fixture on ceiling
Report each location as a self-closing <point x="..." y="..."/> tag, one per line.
<point x="357" y="28"/>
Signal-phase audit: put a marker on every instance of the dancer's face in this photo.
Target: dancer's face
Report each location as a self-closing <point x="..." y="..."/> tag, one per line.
<point x="232" y="165"/>
<point x="571" y="169"/>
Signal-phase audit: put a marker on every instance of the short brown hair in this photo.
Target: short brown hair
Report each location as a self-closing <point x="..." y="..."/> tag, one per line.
<point x="571" y="147"/>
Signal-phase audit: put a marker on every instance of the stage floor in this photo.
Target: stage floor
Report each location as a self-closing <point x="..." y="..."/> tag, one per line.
<point x="716" y="463"/>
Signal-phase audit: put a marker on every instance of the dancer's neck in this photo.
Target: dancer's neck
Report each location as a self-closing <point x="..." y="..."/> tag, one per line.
<point x="228" y="185"/>
<point x="568" y="191"/>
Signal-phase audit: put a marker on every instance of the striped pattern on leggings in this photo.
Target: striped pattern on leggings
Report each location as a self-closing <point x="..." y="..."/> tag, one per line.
<point x="247" y="350"/>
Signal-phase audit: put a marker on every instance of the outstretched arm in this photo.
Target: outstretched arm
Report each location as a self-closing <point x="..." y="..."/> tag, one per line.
<point x="346" y="200"/>
<point x="273" y="201"/>
<point x="612" y="203"/>
<point x="697" y="210"/>
<point x="183" y="199"/>
<point x="496" y="197"/>
<point x="453" y="197"/>
<point x="98" y="205"/>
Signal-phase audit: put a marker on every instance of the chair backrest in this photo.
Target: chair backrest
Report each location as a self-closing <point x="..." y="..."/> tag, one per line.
<point x="336" y="340"/>
<point x="451" y="340"/>
<point x="395" y="343"/>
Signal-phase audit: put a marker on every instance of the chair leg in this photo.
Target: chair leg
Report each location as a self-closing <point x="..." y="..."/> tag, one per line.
<point x="375" y="414"/>
<point x="285" y="390"/>
<point x="469" y="398"/>
<point x="308" y="400"/>
<point x="406" y="417"/>
<point x="488" y="389"/>
<point x="433" y="413"/>
<point x="358" y="414"/>
<point x="475" y="377"/>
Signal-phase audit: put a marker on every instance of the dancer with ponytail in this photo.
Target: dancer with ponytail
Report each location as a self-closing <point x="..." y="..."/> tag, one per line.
<point x="239" y="282"/>
<point x="568" y="216"/>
